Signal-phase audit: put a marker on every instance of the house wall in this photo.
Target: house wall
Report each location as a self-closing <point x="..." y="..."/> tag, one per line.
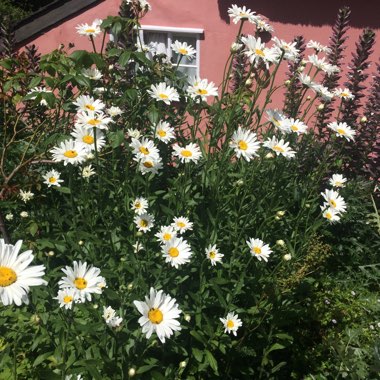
<point x="312" y="19"/>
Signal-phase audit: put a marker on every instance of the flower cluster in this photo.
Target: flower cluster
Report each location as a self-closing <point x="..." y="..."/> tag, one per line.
<point x="334" y="205"/>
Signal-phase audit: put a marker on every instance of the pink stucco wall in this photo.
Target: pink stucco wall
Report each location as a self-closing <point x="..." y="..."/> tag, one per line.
<point x="313" y="19"/>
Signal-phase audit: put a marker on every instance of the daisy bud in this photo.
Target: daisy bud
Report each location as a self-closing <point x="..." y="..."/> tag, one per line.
<point x="303" y="63"/>
<point x="287" y="83"/>
<point x="235" y="47"/>
<point x="321" y="107"/>
<point x="9" y="216"/>
<point x="281" y="243"/>
<point x="277" y="217"/>
<point x="300" y="69"/>
<point x="287" y="257"/>
<point x="239" y="182"/>
<point x="363" y="119"/>
<point x="131" y="372"/>
<point x="130" y="286"/>
<point x="182" y="364"/>
<point x="269" y="155"/>
<point x="307" y="205"/>
<point x="248" y="82"/>
<point x="187" y="317"/>
<point x="123" y="259"/>
<point x="24" y="214"/>
<point x="95" y="305"/>
<point x="35" y="319"/>
<point x="51" y="253"/>
<point x="110" y="67"/>
<point x="308" y="97"/>
<point x="80" y="242"/>
<point x="280" y="213"/>
<point x="139" y="233"/>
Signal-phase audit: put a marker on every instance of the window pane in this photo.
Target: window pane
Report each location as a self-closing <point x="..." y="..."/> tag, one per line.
<point x="188" y="71"/>
<point x="190" y="41"/>
<point x="159" y="39"/>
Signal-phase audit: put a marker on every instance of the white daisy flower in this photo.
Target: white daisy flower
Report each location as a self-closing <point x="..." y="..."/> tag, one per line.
<point x="319" y="63"/>
<point x="330" y="214"/>
<point x="256" y="51"/>
<point x="323" y="92"/>
<point x="331" y="69"/>
<point x="111" y="318"/>
<point x="24" y="214"/>
<point x="184" y="49"/>
<point x="190" y="152"/>
<point x="87" y="137"/>
<point x="9" y="216"/>
<point x="88" y="171"/>
<point x="165" y="234"/>
<point x="92" y="73"/>
<point x="306" y="81"/>
<point x="263" y="26"/>
<point x="144" y="222"/>
<point x="16" y="276"/>
<point x="288" y="48"/>
<point x="39" y="90"/>
<point x="91" y="119"/>
<point x="334" y="201"/>
<point x="90" y="30"/>
<point x="114" y="111"/>
<point x="88" y="103"/>
<point x="342" y="130"/>
<point x="163" y="131"/>
<point x="212" y="253"/>
<point x="163" y="92"/>
<point x="139" y="205"/>
<point x="231" y="323"/>
<point x="202" y="88"/>
<point x="182" y="224"/>
<point x="241" y="13"/>
<point x="159" y="314"/>
<point x="177" y="252"/>
<point x="67" y="297"/>
<point x="144" y="148"/>
<point x="318" y="47"/>
<point x="150" y="165"/>
<point x="245" y="144"/>
<point x="258" y="249"/>
<point x="280" y="147"/>
<point x="293" y="125"/>
<point x="84" y="279"/>
<point x="344" y="94"/>
<point x="275" y="117"/>
<point x="337" y="180"/>
<point x="52" y="178"/>
<point x="137" y="247"/>
<point x="70" y="152"/>
<point x="133" y="133"/>
<point x="26" y="196"/>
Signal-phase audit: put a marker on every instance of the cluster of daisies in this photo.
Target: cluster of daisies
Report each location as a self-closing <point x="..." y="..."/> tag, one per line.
<point x="334" y="205"/>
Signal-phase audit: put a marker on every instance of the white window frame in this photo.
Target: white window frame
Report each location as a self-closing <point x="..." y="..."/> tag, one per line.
<point x="170" y="30"/>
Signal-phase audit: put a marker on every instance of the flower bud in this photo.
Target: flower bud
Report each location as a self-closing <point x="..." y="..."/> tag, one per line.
<point x="321" y="107"/>
<point x="239" y="182"/>
<point x="280" y="242"/>
<point x="182" y="364"/>
<point x="130" y="286"/>
<point x="248" y="82"/>
<point x="235" y="47"/>
<point x="139" y="233"/>
<point x="95" y="305"/>
<point x="80" y="242"/>
<point x="277" y="217"/>
<point x="35" y="319"/>
<point x="280" y="213"/>
<point x="187" y="317"/>
<point x="363" y="119"/>
<point x="300" y="69"/>
<point x="287" y="257"/>
<point x="51" y="253"/>
<point x="308" y="97"/>
<point x="24" y="214"/>
<point x="131" y="372"/>
<point x="287" y="83"/>
<point x="269" y="155"/>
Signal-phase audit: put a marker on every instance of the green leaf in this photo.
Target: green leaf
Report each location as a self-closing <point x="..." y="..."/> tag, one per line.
<point x="212" y="361"/>
<point x="116" y="138"/>
<point x="124" y="58"/>
<point x="42" y="358"/>
<point x="63" y="189"/>
<point x="35" y="82"/>
<point x="198" y="354"/>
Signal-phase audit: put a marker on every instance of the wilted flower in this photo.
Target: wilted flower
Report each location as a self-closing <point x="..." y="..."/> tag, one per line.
<point x="26" y="195"/>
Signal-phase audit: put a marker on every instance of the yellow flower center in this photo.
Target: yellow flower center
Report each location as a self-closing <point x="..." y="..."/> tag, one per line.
<point x="257" y="250"/>
<point x="161" y="133"/>
<point x="181" y="224"/>
<point x="243" y="145"/>
<point x="90" y="107"/>
<point x="186" y="153"/>
<point x="230" y="324"/>
<point x="212" y="255"/>
<point x="144" y="223"/>
<point x="201" y="91"/>
<point x="338" y="184"/>
<point x="260" y="52"/>
<point x="294" y="128"/>
<point x="344" y="94"/>
<point x="276" y="122"/>
<point x="332" y="203"/>
<point x="7" y="276"/>
<point x="163" y="96"/>
<point x="70" y="153"/>
<point x="328" y="215"/>
<point x="183" y="51"/>
<point x="93" y="122"/>
<point x="167" y="236"/>
<point x="278" y="148"/>
<point x="137" y="205"/>
<point x="67" y="299"/>
<point x="243" y="15"/>
<point x="173" y="252"/>
<point x="341" y="131"/>
<point x="144" y="150"/>
<point x="90" y="30"/>
<point x="148" y="164"/>
<point x="52" y="180"/>
<point x="80" y="283"/>
<point x="88" y="139"/>
<point x="155" y="316"/>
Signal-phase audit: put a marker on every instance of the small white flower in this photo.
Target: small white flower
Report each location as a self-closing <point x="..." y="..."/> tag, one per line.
<point x="184" y="49"/>
<point x="92" y="119"/>
<point x="67" y="297"/>
<point x="92" y="73"/>
<point x="280" y="147"/>
<point x="144" y="222"/>
<point x="318" y="47"/>
<point x="287" y="257"/>
<point x="52" y="178"/>
<point x="202" y="88"/>
<point x="163" y="92"/>
<point x="26" y="196"/>
<point x="114" y="111"/>
<point x="337" y="180"/>
<point x="70" y="152"/>
<point x="150" y="165"/>
<point x="88" y="103"/>
<point x="190" y="152"/>
<point x="342" y="130"/>
<point x="293" y="125"/>
<point x="344" y="94"/>
<point x="334" y="201"/>
<point x="139" y="205"/>
<point x="275" y="117"/>
<point x="144" y="148"/>
<point x="9" y="216"/>
<point x="134" y="133"/>
<point x="165" y="234"/>
<point x="182" y="224"/>
<point x="330" y="214"/>
<point x="163" y="131"/>
<point x="110" y="317"/>
<point x="88" y="171"/>
<point x="212" y="253"/>
<point x="259" y="249"/>
<point x="262" y="25"/>
<point x="137" y="247"/>
<point x="231" y="323"/>
<point x="241" y="13"/>
<point x="24" y="214"/>
<point x="90" y="30"/>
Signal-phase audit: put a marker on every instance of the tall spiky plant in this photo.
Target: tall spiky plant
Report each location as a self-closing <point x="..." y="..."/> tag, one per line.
<point x="33" y="58"/>
<point x="7" y="41"/>
<point x="335" y="57"/>
<point x="240" y="66"/>
<point x="293" y="92"/>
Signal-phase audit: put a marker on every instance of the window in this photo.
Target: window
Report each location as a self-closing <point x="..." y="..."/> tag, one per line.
<point x="163" y="37"/>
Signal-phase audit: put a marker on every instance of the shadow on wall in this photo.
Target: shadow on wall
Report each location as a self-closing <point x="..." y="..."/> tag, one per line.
<point x="365" y="13"/>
